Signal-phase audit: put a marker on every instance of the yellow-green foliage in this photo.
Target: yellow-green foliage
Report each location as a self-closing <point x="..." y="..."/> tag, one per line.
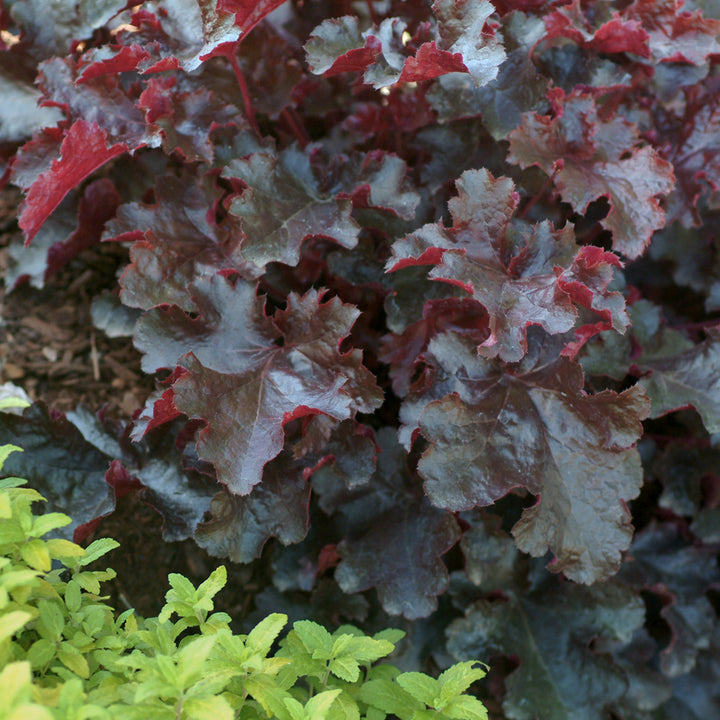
<point x="64" y="655"/>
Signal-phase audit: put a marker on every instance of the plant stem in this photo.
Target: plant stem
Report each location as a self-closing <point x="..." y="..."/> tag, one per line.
<point x="249" y="109"/>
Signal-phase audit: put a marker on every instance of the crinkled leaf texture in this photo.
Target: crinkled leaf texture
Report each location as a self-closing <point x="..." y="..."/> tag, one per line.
<point x="176" y="242"/>
<point x="491" y="430"/>
<point x="589" y="158"/>
<point x="283" y="205"/>
<point x="239" y="526"/>
<point x="243" y="383"/>
<point x="522" y="274"/>
<point x="550" y="629"/>
<point x="388" y="518"/>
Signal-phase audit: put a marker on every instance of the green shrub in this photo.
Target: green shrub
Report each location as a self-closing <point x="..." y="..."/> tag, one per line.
<point x="64" y="654"/>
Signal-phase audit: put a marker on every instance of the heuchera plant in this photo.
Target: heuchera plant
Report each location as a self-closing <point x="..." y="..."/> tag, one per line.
<point x="430" y="294"/>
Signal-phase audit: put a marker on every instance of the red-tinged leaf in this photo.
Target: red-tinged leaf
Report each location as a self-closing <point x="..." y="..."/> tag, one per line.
<point x="196" y="30"/>
<point x="431" y="62"/>
<point x="246" y="386"/>
<point x="518" y="88"/>
<point x="103" y="101"/>
<point x="589" y="158"/>
<point x="248" y="13"/>
<point x="535" y="428"/>
<point x="231" y="330"/>
<point x="72" y="228"/>
<point x="29" y="263"/>
<point x="464" y="43"/>
<point x="522" y="275"/>
<point x="692" y="146"/>
<point x="614" y="36"/>
<point x="83" y="151"/>
<point x="283" y="205"/>
<point x="675" y="34"/>
<point x="239" y="527"/>
<point x="52" y="27"/>
<point x="111" y="60"/>
<point x="336" y="46"/>
<point x="375" y="180"/>
<point x="551" y="631"/>
<point x="36" y="156"/>
<point x="176" y="242"/>
<point x="97" y="205"/>
<point x="387" y="518"/>
<point x="348" y="455"/>
<point x="273" y="68"/>
<point x="681" y="574"/>
<point x="159" y="409"/>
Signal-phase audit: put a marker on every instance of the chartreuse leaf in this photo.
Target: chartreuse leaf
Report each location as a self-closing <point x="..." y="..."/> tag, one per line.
<point x="16" y="684"/>
<point x="263" y="635"/>
<point x="316" y="708"/>
<point x="6" y="450"/>
<point x="11" y="622"/>
<point x="88" y="664"/>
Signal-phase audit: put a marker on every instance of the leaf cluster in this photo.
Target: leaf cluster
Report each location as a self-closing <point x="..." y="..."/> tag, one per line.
<point x="429" y="293"/>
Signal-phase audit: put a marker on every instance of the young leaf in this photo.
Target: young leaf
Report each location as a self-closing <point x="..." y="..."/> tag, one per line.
<point x="176" y="243"/>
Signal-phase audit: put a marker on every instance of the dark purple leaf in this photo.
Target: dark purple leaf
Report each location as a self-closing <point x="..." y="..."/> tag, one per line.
<point x="176" y="241"/>
<point x="589" y="158"/>
<point x="239" y="526"/>
<point x="675" y="372"/>
<point x="675" y="34"/>
<point x="534" y="427"/>
<point x="104" y="102"/>
<point x="245" y="385"/>
<point x="550" y="631"/>
<point x="283" y="205"/>
<point x="464" y="43"/>
<point x="680" y="574"/>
